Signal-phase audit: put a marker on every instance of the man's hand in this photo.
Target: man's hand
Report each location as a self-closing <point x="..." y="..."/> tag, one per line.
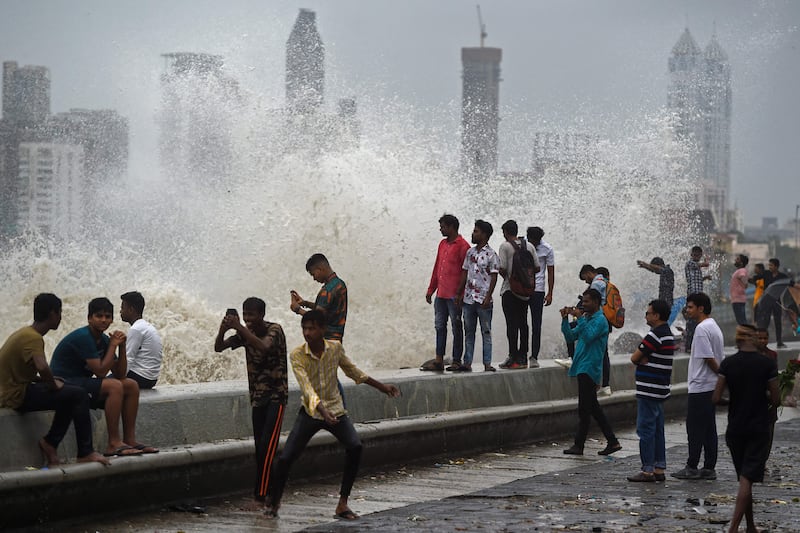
<point x="326" y="415"/>
<point x="487" y="302"/>
<point x="641" y="264"/>
<point x="57" y="384"/>
<point x="391" y="390"/>
<point x="428" y="297"/>
<point x="230" y="322"/>
<point x="117" y="338"/>
<point x="564" y="311"/>
<point x="548" y="299"/>
<point x="297" y="301"/>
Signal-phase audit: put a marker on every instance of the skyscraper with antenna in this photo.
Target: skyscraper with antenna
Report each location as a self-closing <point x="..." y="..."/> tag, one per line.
<point x="479" y="107"/>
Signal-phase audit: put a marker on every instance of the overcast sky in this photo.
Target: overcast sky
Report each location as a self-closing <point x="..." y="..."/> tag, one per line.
<point x="581" y="63"/>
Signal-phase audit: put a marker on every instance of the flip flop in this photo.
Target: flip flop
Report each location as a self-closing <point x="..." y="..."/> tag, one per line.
<point x="346" y="515"/>
<point x="146" y="448"/>
<point x="123" y="451"/>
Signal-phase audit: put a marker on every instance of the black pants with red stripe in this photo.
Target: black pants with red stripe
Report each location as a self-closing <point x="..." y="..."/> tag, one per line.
<point x="267" y="422"/>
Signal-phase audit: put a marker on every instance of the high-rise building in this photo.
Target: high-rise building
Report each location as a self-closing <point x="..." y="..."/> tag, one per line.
<point x="103" y="135"/>
<point x="51" y="188"/>
<point x="26" y="93"/>
<point x="479" y="110"/>
<point x="699" y="97"/>
<point x="198" y="101"/>
<point x="305" y="65"/>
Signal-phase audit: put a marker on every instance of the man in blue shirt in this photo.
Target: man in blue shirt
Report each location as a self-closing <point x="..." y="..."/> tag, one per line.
<point x="84" y="358"/>
<point x="590" y="336"/>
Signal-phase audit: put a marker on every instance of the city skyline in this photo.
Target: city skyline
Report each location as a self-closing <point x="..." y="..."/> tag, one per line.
<point x="593" y="64"/>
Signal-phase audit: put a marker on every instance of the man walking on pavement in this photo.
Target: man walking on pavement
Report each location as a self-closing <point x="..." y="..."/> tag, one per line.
<point x="515" y="306"/>
<point x="540" y="299"/>
<point x="590" y="336"/>
<point x="737" y="288"/>
<point x="704" y="361"/>
<point x="444" y="282"/>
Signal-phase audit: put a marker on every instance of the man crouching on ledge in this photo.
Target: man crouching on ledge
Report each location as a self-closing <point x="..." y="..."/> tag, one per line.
<point x="315" y="364"/>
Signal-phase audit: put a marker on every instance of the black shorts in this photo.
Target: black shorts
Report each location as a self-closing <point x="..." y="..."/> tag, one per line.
<point x="144" y="383"/>
<point x="92" y="386"/>
<point x="749" y="453"/>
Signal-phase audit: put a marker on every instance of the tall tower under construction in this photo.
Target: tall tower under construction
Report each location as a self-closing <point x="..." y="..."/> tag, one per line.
<point x="305" y="65"/>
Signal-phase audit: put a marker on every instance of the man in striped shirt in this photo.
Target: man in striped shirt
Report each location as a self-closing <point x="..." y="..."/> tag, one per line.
<point x="653" y="360"/>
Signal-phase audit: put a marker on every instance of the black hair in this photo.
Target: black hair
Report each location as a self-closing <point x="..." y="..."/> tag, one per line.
<point x="510" y="226"/>
<point x="316" y="260"/>
<point x="700" y="299"/>
<point x="101" y="305"/>
<point x="449" y="220"/>
<point x="314" y="316"/>
<point x="759" y="265"/>
<point x="255" y="304"/>
<point x="657" y="261"/>
<point x="44" y="304"/>
<point x="697" y="250"/>
<point x="535" y="233"/>
<point x="744" y="259"/>
<point x="603" y="271"/>
<point x="485" y="227"/>
<point x="135" y="300"/>
<point x="775" y="261"/>
<point x="594" y="294"/>
<point x="661" y="308"/>
<point x="585" y="269"/>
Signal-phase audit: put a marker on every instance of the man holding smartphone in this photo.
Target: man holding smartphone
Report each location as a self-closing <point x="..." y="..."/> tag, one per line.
<point x="265" y="350"/>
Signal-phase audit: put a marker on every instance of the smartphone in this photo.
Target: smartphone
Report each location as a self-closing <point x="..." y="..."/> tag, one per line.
<point x="232" y="311"/>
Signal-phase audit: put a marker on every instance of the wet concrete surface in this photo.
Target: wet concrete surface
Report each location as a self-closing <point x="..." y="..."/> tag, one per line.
<point x="531" y="488"/>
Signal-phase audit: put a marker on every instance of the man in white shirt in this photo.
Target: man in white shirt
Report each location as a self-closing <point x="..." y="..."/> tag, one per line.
<point x="143" y="344"/>
<point x="540" y="299"/>
<point x="706" y="356"/>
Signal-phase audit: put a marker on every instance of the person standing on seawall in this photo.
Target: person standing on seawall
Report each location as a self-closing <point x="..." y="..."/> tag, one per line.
<point x="737" y="288"/>
<point x="590" y="336"/>
<point x="701" y="424"/>
<point x="515" y="307"/>
<point x="444" y="282"/>
<point x="478" y="279"/>
<point x="666" y="282"/>
<point x="540" y="299"/>
<point x="694" y="284"/>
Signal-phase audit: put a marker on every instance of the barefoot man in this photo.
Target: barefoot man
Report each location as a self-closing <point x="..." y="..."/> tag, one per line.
<point x="27" y="384"/>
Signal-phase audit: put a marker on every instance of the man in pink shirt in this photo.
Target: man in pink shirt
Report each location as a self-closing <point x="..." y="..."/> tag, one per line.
<point x="445" y="281"/>
<point x="738" y="286"/>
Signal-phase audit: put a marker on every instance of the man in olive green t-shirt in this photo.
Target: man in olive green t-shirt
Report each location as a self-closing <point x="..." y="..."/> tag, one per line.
<point x="27" y="384"/>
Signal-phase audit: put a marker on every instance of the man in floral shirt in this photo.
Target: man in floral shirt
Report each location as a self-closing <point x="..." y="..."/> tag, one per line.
<point x="478" y="279"/>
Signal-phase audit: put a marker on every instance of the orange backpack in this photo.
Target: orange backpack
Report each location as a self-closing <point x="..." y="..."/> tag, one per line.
<point x="613" y="310"/>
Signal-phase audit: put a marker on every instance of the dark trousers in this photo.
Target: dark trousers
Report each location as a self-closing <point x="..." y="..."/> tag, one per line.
<point x="777" y="315"/>
<point x="267" y="422"/>
<point x="71" y="404"/>
<point x="536" y="305"/>
<point x="607" y="364"/>
<point x="516" y="313"/>
<point x="588" y="408"/>
<point x="701" y="430"/>
<point x="739" y="313"/>
<point x="304" y="428"/>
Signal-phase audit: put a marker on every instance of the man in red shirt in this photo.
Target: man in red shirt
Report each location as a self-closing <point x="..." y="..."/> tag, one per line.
<point x="445" y="281"/>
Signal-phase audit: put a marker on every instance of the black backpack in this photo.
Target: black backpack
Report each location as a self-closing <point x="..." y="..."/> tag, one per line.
<point x="523" y="270"/>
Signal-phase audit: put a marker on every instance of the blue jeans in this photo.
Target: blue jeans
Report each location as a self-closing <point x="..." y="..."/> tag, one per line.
<point x="650" y="428"/>
<point x="472" y="313"/>
<point x="536" y="305"/>
<point x="740" y="313"/>
<point x="443" y="309"/>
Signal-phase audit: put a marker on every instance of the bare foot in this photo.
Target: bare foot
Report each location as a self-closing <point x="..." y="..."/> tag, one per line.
<point x="344" y="513"/>
<point x="50" y="453"/>
<point x="271" y="511"/>
<point x="94" y="457"/>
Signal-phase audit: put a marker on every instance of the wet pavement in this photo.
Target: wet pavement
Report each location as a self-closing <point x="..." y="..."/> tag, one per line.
<point x="531" y="488"/>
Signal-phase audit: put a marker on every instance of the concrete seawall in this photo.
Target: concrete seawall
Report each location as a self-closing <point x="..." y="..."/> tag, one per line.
<point x="204" y="432"/>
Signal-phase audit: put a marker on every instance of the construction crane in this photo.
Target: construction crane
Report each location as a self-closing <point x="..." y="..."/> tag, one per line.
<point x="482" y="25"/>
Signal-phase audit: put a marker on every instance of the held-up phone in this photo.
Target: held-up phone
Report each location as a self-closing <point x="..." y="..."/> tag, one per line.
<point x="232" y="311"/>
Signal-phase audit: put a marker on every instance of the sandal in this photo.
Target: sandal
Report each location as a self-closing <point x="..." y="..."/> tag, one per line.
<point x="455" y="367"/>
<point x="432" y="365"/>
